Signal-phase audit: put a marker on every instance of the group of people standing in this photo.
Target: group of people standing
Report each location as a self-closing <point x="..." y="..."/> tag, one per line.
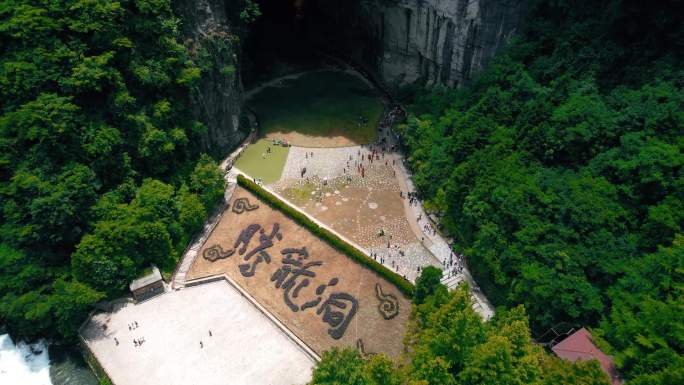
<point x="454" y="265"/>
<point x="202" y="342"/>
<point x="139" y="341"/>
<point x="395" y="114"/>
<point x="136" y="341"/>
<point x="361" y="121"/>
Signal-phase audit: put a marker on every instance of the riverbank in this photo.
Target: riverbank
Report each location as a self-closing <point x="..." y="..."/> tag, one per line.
<point x="40" y="364"/>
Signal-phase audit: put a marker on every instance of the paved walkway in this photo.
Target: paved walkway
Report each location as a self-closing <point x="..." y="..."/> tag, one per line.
<point x="211" y="334"/>
<point x="190" y="253"/>
<point x="433" y="240"/>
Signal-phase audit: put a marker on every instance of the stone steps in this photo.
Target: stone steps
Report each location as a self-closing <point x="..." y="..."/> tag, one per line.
<point x="452" y="281"/>
<point x="179" y="278"/>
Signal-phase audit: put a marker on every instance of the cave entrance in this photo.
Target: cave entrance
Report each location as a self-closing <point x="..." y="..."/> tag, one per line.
<point x="295" y="104"/>
<point x="299" y="35"/>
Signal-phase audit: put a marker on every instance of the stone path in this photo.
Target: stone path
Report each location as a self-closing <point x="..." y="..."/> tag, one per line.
<point x="325" y="162"/>
<point x="406" y="263"/>
<point x="190" y="253"/>
<point x="434" y="241"/>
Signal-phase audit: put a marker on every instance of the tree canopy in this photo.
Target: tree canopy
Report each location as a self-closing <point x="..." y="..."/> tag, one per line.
<point x="448" y="343"/>
<point x="564" y="183"/>
<point x="98" y="174"/>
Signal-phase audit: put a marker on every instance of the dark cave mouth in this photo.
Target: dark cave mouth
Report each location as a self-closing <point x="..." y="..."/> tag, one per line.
<point x="299" y="35"/>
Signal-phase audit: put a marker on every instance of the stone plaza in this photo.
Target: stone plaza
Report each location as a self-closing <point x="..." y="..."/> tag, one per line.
<point x="245" y="347"/>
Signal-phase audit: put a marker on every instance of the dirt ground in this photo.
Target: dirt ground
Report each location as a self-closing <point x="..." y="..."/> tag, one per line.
<point x="369" y="215"/>
<point x="337" y="304"/>
<point x="332" y="139"/>
<point x="366" y="209"/>
<point x="318" y="109"/>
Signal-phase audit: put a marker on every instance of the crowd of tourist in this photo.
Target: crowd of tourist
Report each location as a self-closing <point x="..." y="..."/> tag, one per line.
<point x="454" y="265"/>
<point x="381" y="151"/>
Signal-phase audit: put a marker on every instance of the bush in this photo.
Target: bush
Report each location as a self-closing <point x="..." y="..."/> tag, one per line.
<point x="427" y="283"/>
<point x="333" y="240"/>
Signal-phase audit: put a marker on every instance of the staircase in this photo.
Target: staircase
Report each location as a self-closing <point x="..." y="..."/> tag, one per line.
<point x="451" y="281"/>
<point x="179" y="277"/>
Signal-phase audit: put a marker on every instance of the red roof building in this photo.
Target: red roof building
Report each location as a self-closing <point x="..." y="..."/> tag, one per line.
<point x="579" y="346"/>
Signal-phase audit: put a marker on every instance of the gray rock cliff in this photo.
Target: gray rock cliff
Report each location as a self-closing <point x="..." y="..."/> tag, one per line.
<point x="217" y="96"/>
<point x="398" y="41"/>
<point x="440" y="41"/>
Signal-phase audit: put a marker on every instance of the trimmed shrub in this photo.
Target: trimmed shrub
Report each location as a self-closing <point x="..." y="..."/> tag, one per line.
<point x="333" y="240"/>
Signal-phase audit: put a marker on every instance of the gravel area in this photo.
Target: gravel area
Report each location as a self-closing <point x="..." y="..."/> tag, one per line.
<point x="405" y="260"/>
<point x="361" y="223"/>
<point x="357" y="206"/>
<point x="325" y="162"/>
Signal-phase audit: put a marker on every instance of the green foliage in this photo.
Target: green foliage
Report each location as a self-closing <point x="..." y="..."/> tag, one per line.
<point x="645" y="322"/>
<point x="130" y="236"/>
<point x="207" y="181"/>
<point x="71" y="302"/>
<point x="347" y="367"/>
<point x="95" y="155"/>
<point x="191" y="210"/>
<point x="403" y="285"/>
<point x="42" y="306"/>
<point x="453" y="345"/>
<point x="250" y="11"/>
<point x="427" y="284"/>
<point x="559" y="172"/>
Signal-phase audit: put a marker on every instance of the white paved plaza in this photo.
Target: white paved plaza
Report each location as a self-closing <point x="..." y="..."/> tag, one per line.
<point x="246" y="347"/>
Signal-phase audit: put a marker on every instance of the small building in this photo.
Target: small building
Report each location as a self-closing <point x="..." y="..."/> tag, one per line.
<point x="579" y="346"/>
<point x="147" y="286"/>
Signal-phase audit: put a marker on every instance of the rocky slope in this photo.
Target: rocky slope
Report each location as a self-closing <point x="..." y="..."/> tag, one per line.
<point x="440" y="41"/>
<point x="436" y="41"/>
<point x="400" y="41"/>
<point x="211" y="37"/>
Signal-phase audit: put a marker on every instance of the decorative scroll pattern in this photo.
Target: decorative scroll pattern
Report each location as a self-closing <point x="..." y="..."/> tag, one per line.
<point x="389" y="304"/>
<point x="214" y="253"/>
<point x="296" y="277"/>
<point x="242" y="204"/>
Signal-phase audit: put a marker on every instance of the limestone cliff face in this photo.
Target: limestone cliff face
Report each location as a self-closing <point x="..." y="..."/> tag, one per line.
<point x="217" y="96"/>
<point x="398" y="41"/>
<point x="439" y="41"/>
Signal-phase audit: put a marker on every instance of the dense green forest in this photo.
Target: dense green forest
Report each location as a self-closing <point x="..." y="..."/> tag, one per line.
<point x="448" y="343"/>
<point x="99" y="169"/>
<point x="557" y="171"/>
<point x="565" y="184"/>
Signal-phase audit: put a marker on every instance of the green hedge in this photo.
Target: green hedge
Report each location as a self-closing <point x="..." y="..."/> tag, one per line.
<point x="403" y="285"/>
